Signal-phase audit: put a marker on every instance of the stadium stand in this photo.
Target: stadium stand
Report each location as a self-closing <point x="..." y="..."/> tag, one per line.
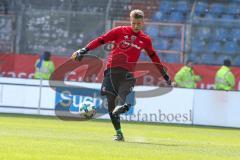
<point x="120" y="9"/>
<point x="4" y="7"/>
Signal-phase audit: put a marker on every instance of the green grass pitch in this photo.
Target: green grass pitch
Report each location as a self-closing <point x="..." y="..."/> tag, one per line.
<point x="48" y="138"/>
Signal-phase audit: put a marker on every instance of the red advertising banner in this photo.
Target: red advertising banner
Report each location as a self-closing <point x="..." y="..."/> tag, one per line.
<point x="22" y="66"/>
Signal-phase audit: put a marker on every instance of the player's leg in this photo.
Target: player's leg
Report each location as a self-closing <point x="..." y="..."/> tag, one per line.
<point x="125" y="88"/>
<point x="114" y="118"/>
<point x="111" y="105"/>
<point x="119" y="102"/>
<point x="109" y="88"/>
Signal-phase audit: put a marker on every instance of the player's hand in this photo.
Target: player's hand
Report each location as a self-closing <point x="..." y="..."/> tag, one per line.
<point x="174" y="84"/>
<point x="167" y="79"/>
<point x="78" y="55"/>
<point x="169" y="82"/>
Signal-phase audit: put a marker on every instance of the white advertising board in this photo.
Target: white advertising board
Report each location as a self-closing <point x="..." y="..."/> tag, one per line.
<point x="216" y="108"/>
<point x="182" y="106"/>
<point x="17" y="95"/>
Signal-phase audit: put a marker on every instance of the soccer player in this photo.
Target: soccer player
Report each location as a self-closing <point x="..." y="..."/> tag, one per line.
<point x="118" y="79"/>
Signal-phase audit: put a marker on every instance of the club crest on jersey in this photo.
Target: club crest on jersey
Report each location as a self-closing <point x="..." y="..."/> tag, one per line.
<point x="133" y="38"/>
<point x="125" y="44"/>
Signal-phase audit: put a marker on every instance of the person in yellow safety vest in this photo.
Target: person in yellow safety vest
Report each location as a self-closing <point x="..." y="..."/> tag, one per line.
<point x="44" y="67"/>
<point x="185" y="77"/>
<point x="224" y="79"/>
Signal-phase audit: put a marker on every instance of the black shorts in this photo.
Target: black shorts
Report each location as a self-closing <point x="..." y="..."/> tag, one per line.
<point x="117" y="81"/>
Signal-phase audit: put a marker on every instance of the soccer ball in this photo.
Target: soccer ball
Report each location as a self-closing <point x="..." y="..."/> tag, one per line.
<point x="87" y="109"/>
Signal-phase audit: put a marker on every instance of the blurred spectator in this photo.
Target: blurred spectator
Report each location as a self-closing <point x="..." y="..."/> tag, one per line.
<point x="185" y="77"/>
<point x="44" y="67"/>
<point x="224" y="79"/>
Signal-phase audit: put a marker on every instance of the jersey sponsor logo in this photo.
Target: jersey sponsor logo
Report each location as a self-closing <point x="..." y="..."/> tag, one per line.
<point x="127" y="44"/>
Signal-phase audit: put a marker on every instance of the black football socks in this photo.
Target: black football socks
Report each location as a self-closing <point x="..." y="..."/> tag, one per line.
<point x="116" y="122"/>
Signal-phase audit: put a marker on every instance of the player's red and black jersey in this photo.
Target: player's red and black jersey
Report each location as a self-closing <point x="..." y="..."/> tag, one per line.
<point x="127" y="47"/>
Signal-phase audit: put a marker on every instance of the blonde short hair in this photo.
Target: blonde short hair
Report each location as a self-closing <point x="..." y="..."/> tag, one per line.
<point x="137" y="13"/>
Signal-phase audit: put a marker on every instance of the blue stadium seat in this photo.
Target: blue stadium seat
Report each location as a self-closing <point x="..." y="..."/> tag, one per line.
<point x="158" y="16"/>
<point x="162" y="56"/>
<point x="214" y="47"/>
<point x="152" y="31"/>
<point x="172" y="58"/>
<point x="176" y="44"/>
<point x="169" y="31"/>
<point x="200" y="15"/>
<point x="165" y="6"/>
<point x="230" y="47"/>
<point x="195" y="57"/>
<point x="176" y="16"/>
<point x="203" y="33"/>
<point x="237" y="60"/>
<point x="235" y="33"/>
<point x="221" y="34"/>
<point x="201" y="7"/>
<point x="198" y="46"/>
<point x="227" y="17"/>
<point x="165" y="18"/>
<point x="208" y="58"/>
<point x="144" y="57"/>
<point x="160" y="44"/>
<point x="182" y="6"/>
<point x="211" y="17"/>
<point x="233" y="8"/>
<point x="217" y="8"/>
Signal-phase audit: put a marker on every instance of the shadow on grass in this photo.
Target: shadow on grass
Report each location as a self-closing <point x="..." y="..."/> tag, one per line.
<point x="154" y="144"/>
<point x="171" y="125"/>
